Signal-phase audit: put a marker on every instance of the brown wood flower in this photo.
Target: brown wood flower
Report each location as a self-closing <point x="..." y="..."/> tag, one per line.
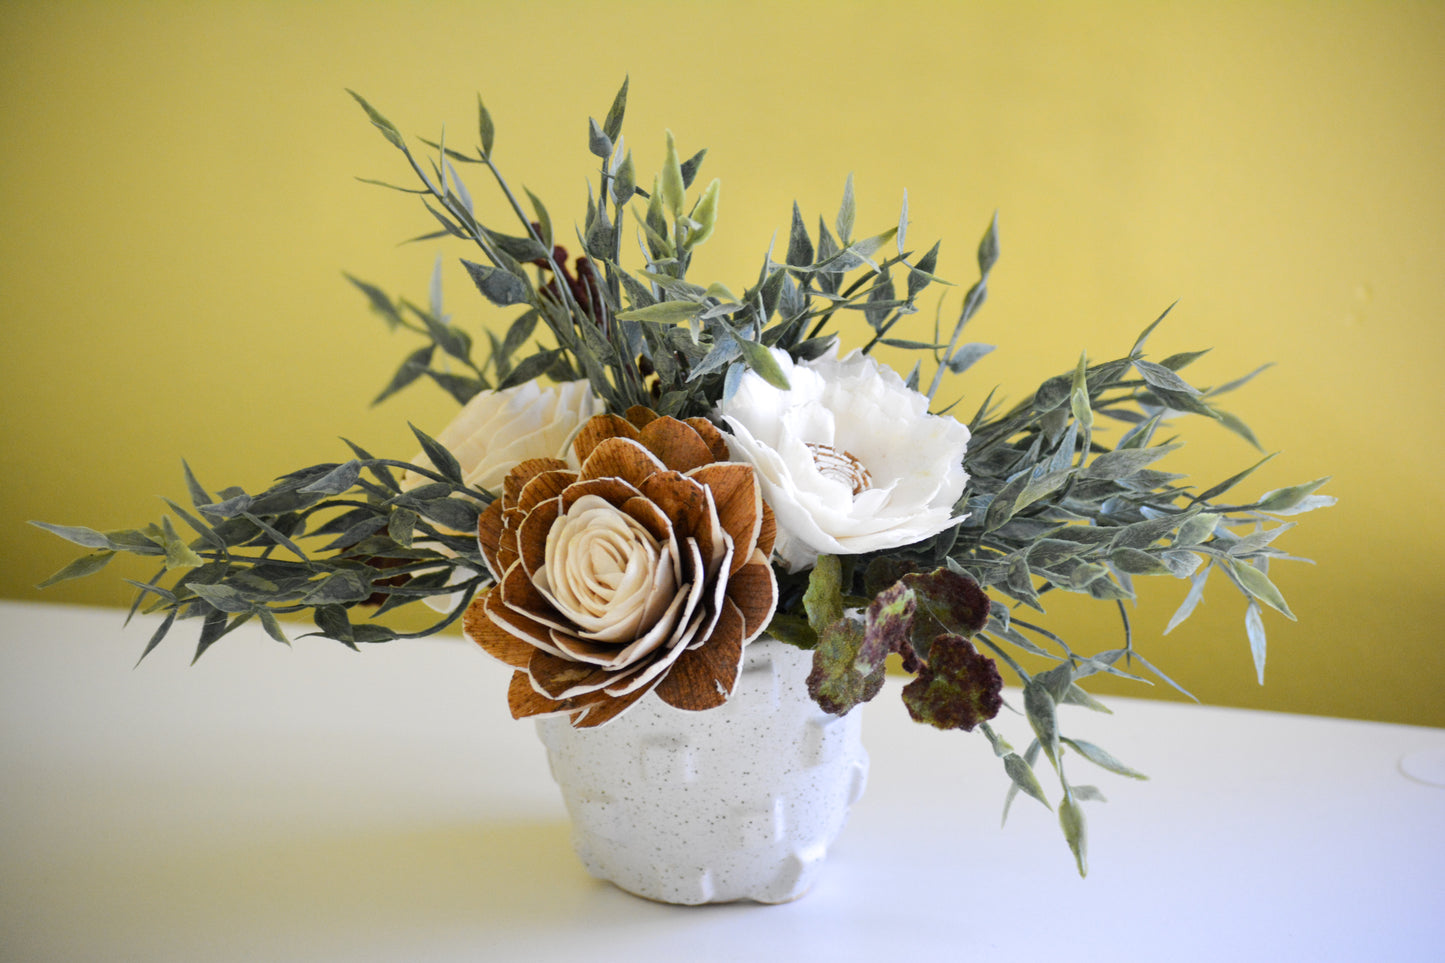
<point x="645" y="570"/>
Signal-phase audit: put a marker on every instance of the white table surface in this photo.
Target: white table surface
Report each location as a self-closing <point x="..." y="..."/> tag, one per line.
<point x="312" y="803"/>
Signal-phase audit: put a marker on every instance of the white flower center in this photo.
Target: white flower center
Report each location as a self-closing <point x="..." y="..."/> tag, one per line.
<point x="605" y="571"/>
<point x="841" y="466"/>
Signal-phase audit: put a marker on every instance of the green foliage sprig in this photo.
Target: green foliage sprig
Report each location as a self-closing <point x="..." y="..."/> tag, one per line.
<point x="385" y="546"/>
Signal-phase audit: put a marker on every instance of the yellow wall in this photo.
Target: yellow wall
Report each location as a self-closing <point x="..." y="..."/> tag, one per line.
<point x="178" y="198"/>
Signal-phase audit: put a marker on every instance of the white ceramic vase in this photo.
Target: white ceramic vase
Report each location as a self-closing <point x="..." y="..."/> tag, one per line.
<point x="735" y="803"/>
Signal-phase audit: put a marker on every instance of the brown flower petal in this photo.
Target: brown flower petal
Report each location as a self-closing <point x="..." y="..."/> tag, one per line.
<point x="647" y="570"/>
<point x="755" y="592"/>
<point x="598" y="430"/>
<point x="525" y="472"/>
<point x="704" y="677"/>
<point x="739" y="501"/>
<point x="678" y="444"/>
<point x="621" y="458"/>
<point x="680" y="499"/>
<point x="532" y="534"/>
<point x="496" y="641"/>
<point x="640" y="416"/>
<point x="614" y="490"/>
<point x="544" y="486"/>
<point x="767" y="532"/>
<point x="489" y="535"/>
<point x="606" y="708"/>
<point x="714" y="439"/>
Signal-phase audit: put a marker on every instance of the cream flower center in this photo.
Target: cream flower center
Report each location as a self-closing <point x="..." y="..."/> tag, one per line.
<point x="605" y="572"/>
<point x="841" y="466"/>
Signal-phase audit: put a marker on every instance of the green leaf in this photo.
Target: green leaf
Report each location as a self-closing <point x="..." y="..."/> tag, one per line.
<point x="87" y="537"/>
<point x="339" y="588"/>
<point x="416" y="364"/>
<point x="1158" y="376"/>
<point x="800" y="246"/>
<point x="1136" y="562"/>
<point x="1022" y="776"/>
<point x="276" y="535"/>
<point x="1071" y="820"/>
<point x="1235" y="424"/>
<point x="921" y="274"/>
<point x="331" y="619"/>
<point x="1101" y="758"/>
<point x="624" y="182"/>
<point x="761" y="360"/>
<point x="671" y="188"/>
<point x="223" y="597"/>
<point x="212" y="629"/>
<point x="387" y="128"/>
<point x="1256" y="584"/>
<point x="1135" y="351"/>
<point x="380" y="303"/>
<point x="520" y="249"/>
<point x="823" y="601"/>
<point x="846" y="211"/>
<point x="1079" y="395"/>
<point x="336" y="481"/>
<point x="598" y="239"/>
<point x="485" y="128"/>
<point x="1042" y="714"/>
<point x="988" y="249"/>
<point x="690" y="167"/>
<point x="1123" y="462"/>
<point x="1185" y="358"/>
<point x="966" y="355"/>
<point x="793" y="630"/>
<point x="612" y="126"/>
<point x="442" y="459"/>
<point x="497" y="286"/>
<point x="664" y="312"/>
<point x="902" y="223"/>
<point x="272" y="626"/>
<point x="158" y="634"/>
<point x="597" y="141"/>
<point x="454" y="513"/>
<point x="201" y="528"/>
<point x="1197" y="529"/>
<point x="1146" y="533"/>
<point x="847" y="670"/>
<point x="705" y="214"/>
<point x="81" y="567"/>
<point x="1254" y="630"/>
<point x="1239" y="382"/>
<point x="531" y="368"/>
<point x="544" y="220"/>
<point x="1230" y="482"/>
<point x="1283" y="500"/>
<point x="198" y="493"/>
<point x="178" y="553"/>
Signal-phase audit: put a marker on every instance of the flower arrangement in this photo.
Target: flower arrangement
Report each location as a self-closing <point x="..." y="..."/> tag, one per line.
<point x="648" y="473"/>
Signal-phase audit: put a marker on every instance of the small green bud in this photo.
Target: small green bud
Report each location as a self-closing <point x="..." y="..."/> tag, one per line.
<point x="672" y="187"/>
<point x="705" y="215"/>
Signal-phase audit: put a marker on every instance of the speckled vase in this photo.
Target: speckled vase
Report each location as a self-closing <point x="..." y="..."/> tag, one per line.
<point x="735" y="803"/>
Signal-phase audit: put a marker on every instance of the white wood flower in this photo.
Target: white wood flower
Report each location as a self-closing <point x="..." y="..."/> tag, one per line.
<point x="498" y="430"/>
<point x="849" y="457"/>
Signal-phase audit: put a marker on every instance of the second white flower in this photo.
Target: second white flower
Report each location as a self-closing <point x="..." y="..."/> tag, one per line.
<point x="849" y="457"/>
